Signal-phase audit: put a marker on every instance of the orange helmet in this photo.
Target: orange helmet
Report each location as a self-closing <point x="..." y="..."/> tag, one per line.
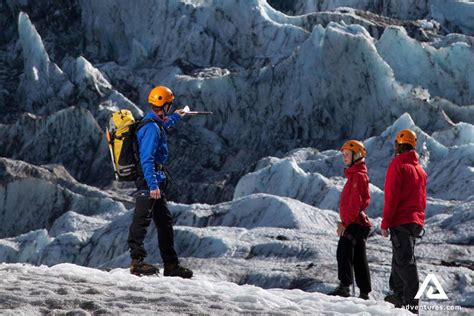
<point x="160" y="96"/>
<point x="355" y="146"/>
<point x="406" y="136"/>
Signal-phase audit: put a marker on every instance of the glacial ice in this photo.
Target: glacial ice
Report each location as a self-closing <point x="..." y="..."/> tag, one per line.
<point x="43" y="81"/>
<point x="285" y="92"/>
<point x="437" y="70"/>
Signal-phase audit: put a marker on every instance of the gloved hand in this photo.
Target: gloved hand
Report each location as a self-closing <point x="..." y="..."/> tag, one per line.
<point x="340" y="229"/>
<point x="181" y="112"/>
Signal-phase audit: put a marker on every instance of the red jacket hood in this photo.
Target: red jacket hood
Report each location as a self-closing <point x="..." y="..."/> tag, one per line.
<point x="359" y="167"/>
<point x="410" y="157"/>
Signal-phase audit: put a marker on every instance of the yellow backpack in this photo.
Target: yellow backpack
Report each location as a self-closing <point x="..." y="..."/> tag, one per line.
<point x="123" y="146"/>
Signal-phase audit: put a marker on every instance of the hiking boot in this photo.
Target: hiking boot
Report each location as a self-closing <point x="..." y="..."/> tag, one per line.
<point x="364" y="296"/>
<point x="176" y="270"/>
<point x="394" y="299"/>
<point x="139" y="267"/>
<point x="341" y="290"/>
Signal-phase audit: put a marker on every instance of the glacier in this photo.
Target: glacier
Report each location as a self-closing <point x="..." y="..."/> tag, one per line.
<point x="256" y="186"/>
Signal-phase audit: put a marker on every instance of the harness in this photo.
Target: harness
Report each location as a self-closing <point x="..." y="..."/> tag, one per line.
<point x="412" y="237"/>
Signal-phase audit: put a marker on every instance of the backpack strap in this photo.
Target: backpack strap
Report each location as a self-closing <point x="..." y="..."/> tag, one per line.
<point x="149" y="120"/>
<point x="139" y="125"/>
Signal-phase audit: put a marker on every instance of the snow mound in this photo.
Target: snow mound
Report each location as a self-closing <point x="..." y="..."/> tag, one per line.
<point x="263" y="210"/>
<point x="200" y="228"/>
<point x="286" y="178"/>
<point x="49" y="196"/>
<point x="72" y="221"/>
<point x="256" y="225"/>
<point x="24" y="248"/>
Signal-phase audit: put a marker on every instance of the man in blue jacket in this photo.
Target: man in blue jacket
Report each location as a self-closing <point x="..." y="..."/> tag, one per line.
<point x="153" y="153"/>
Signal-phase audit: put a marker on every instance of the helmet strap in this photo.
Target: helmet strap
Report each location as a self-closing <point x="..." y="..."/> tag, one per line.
<point x="159" y="111"/>
<point x="356" y="160"/>
<point x="167" y="107"/>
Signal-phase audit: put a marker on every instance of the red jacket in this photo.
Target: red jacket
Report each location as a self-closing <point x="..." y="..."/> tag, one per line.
<point x="405" y="192"/>
<point x="355" y="195"/>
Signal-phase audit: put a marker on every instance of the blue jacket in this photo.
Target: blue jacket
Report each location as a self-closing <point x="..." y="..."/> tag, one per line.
<point x="153" y="148"/>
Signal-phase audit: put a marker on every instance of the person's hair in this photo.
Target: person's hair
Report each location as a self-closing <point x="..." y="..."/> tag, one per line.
<point x="403" y="148"/>
<point x="357" y="156"/>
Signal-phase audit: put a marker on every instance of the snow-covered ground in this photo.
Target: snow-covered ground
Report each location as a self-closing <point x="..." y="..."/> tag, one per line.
<point x="67" y="288"/>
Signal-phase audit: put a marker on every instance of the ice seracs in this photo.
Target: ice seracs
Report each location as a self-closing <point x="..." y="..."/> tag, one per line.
<point x="460" y="134"/>
<point x="202" y="34"/>
<point x="403" y="10"/>
<point x="44" y="86"/>
<point x="325" y="76"/>
<point x="436" y="69"/>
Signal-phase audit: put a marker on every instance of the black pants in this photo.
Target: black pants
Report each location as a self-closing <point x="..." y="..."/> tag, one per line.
<point x="147" y="209"/>
<point x="404" y="280"/>
<point x="351" y="252"/>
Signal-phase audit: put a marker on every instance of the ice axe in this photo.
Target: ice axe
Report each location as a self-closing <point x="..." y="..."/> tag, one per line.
<point x="111" y="149"/>
<point x="188" y="111"/>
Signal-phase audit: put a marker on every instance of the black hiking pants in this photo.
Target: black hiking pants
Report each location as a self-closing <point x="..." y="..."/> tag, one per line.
<point x="404" y="280"/>
<point x="351" y="254"/>
<point x="147" y="209"/>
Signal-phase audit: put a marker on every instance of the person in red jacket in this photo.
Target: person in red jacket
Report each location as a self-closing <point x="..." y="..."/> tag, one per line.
<point x="354" y="227"/>
<point x="403" y="218"/>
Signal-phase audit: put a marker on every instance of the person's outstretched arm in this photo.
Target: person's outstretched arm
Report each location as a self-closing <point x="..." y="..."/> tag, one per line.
<point x="172" y="119"/>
